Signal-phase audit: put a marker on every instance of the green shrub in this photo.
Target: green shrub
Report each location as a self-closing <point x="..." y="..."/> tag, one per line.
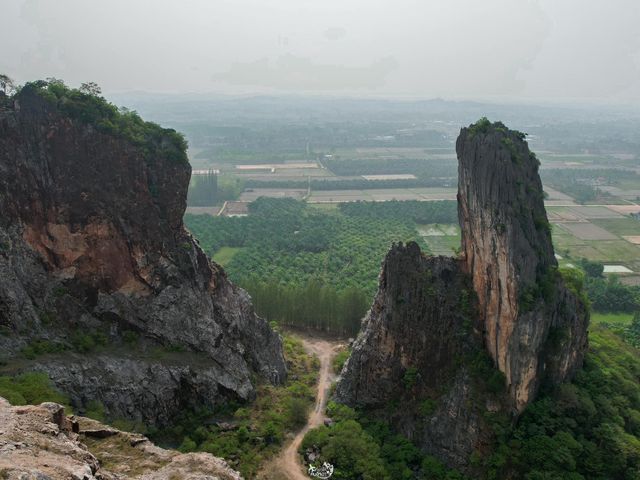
<point x="30" y="388"/>
<point x="296" y="413"/>
<point x="428" y="407"/>
<point x="410" y="378"/>
<point x="130" y="337"/>
<point x="41" y="347"/>
<point x="187" y="445"/>
<point x="90" y="108"/>
<point x="88" y="342"/>
<point x="340" y="359"/>
<point x="95" y="410"/>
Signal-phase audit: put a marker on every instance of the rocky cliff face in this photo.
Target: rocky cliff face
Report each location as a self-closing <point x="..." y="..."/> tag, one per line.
<point x="452" y="340"/>
<point x="92" y="247"/>
<point x="507" y="250"/>
<point x="42" y="442"/>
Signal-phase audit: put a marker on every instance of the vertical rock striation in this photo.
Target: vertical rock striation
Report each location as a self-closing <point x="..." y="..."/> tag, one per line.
<point x="479" y="333"/>
<point x="92" y="242"/>
<point x="532" y="326"/>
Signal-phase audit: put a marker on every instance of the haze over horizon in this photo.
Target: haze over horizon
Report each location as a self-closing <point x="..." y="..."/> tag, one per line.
<point x="524" y="50"/>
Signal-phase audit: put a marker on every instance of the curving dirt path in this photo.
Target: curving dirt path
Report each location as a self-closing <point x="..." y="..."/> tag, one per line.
<point x="287" y="465"/>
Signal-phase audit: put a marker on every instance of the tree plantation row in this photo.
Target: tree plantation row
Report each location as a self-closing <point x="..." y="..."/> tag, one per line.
<point x="310" y="267"/>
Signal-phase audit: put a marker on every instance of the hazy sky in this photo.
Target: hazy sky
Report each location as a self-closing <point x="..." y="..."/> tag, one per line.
<point x="484" y="49"/>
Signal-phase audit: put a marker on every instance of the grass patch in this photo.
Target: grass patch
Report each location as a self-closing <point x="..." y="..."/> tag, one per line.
<point x="257" y="429"/>
<point x="619" y="226"/>
<point x="225" y="254"/>
<point x="618" y="319"/>
<point x="30" y="388"/>
<point x="340" y="359"/>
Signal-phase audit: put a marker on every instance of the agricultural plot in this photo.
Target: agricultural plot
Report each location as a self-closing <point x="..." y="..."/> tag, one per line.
<point x="292" y="243"/>
<point x="616" y="251"/>
<point x="554" y="195"/>
<point x="374" y="195"/>
<point x="616" y="269"/>
<point x="620" y="226"/>
<point x="587" y="231"/>
<point x="399" y="176"/>
<point x="442" y="239"/>
<point x="250" y="195"/>
<point x="594" y="212"/>
<point x="213" y="211"/>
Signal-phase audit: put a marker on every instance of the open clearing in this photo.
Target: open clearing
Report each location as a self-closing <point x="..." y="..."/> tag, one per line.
<point x="619" y="319"/>
<point x="252" y="194"/>
<point x="277" y="166"/>
<point x="287" y="465"/>
<point x="225" y="254"/>
<point x="213" y="211"/>
<point x="587" y="231"/>
<point x="616" y="269"/>
<point x="380" y="195"/>
<point x="442" y="239"/>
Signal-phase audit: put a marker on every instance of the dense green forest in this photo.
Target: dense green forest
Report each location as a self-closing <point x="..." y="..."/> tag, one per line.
<point x="314" y="267"/>
<point x="203" y="190"/>
<point x="300" y="263"/>
<point x="587" y="429"/>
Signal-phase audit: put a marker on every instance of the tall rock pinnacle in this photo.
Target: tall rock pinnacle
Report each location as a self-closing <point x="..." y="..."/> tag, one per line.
<point x="507" y="251"/>
<point x="475" y="334"/>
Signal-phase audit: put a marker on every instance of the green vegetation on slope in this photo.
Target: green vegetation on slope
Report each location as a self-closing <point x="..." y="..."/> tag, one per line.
<point x="86" y="105"/>
<point x="30" y="388"/>
<point x="247" y="435"/>
<point x="586" y="429"/>
<point x="364" y="448"/>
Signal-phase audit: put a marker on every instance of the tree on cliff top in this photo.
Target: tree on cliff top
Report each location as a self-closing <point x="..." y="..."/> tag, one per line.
<point x="86" y="105"/>
<point x="7" y="86"/>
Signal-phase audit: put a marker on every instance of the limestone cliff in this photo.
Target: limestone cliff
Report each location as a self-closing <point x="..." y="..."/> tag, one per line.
<point x="93" y="250"/>
<point x="42" y="442"/>
<point x="507" y="250"/>
<point x="478" y="334"/>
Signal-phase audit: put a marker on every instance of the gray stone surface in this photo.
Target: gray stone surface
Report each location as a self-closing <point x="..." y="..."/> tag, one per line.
<point x="92" y="240"/>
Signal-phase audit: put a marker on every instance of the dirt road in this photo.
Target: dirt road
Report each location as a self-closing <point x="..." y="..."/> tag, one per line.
<point x="287" y="464"/>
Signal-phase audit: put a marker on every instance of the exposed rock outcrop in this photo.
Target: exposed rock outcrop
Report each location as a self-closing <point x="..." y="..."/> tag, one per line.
<point x="533" y="327"/>
<point x="41" y="442"/>
<point x="452" y="340"/>
<point x="92" y="246"/>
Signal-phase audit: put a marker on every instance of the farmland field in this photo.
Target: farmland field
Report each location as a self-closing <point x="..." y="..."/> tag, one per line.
<point x="291" y="242"/>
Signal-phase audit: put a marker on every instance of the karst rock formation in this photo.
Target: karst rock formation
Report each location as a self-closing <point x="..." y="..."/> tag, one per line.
<point x="449" y="340"/>
<point x="93" y="249"/>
